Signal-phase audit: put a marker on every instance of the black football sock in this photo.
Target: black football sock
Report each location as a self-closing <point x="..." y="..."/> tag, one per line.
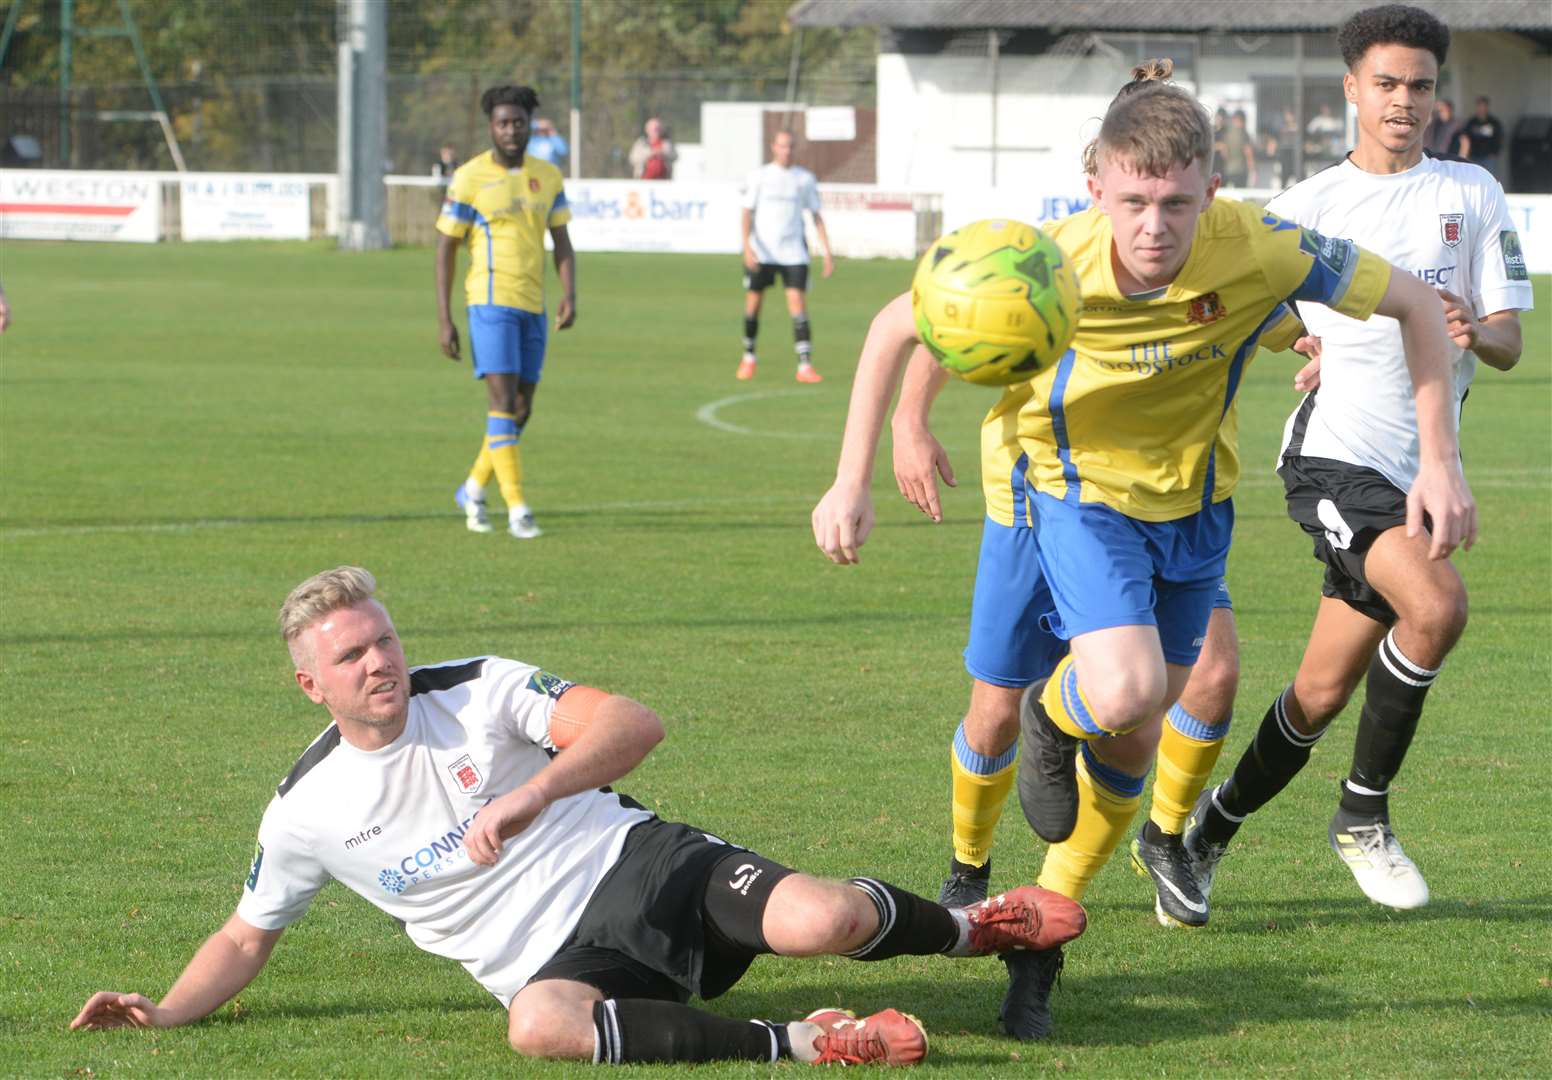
<point x="1393" y="703"/>
<point x="1273" y="758"/>
<point x="642" y="1030"/>
<point x="907" y="924"/>
<point x="751" y="332"/>
<point x="802" y="341"/>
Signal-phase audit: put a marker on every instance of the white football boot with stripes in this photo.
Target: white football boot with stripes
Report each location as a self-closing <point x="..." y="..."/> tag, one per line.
<point x="1384" y="873"/>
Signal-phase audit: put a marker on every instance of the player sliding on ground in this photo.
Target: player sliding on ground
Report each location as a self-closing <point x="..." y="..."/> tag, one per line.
<point x="469" y="800"/>
<point x="1390" y="609"/>
<point x="1119" y="472"/>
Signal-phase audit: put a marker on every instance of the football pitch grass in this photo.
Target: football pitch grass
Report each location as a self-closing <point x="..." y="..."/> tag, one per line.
<point x="187" y="431"/>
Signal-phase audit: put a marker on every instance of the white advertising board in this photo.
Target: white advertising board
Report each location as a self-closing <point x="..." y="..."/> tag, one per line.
<point x="636" y="215"/>
<point x="866" y="222"/>
<point x="1531" y="214"/>
<point x="244" y="206"/>
<point x="38" y="204"/>
<point x="1532" y="217"/>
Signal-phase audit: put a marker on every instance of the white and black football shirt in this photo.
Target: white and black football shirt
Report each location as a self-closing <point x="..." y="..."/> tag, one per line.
<point x="388" y="825"/>
<point x="777" y="197"/>
<point x="1446" y="222"/>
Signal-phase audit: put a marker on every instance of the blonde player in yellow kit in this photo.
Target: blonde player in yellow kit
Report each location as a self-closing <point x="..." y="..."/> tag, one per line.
<point x="1118" y="467"/>
<point x="499" y="206"/>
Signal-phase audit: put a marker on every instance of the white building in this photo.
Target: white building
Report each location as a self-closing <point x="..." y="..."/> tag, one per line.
<point x="1000" y="94"/>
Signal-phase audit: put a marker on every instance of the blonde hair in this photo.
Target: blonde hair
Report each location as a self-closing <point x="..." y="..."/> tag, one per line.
<point x="321" y="595"/>
<point x="1153" y="125"/>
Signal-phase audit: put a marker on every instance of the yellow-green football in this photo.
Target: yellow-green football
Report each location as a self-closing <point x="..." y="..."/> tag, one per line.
<point x="996" y="302"/>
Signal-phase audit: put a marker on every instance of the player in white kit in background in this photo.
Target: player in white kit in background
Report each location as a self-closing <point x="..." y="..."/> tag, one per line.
<point x="775" y="196"/>
<point x="1392" y="606"/>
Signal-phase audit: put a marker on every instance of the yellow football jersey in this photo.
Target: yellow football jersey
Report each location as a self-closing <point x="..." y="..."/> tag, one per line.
<point x="1138" y="414"/>
<point x="502" y="214"/>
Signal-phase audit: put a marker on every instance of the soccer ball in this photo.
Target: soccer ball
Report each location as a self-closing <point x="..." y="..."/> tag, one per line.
<point x="996" y="302"/>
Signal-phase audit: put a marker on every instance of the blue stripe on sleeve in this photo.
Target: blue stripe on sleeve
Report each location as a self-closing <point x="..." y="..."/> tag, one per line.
<point x="459" y="211"/>
<point x="1327" y="283"/>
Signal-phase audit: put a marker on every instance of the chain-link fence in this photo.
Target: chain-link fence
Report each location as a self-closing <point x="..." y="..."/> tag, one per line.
<point x="252" y="86"/>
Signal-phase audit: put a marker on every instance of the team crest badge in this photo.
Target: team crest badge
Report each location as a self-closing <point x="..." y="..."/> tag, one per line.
<point x="1449" y="228"/>
<point x="1205" y="309"/>
<point x="466" y="774"/>
<point x="533" y="184"/>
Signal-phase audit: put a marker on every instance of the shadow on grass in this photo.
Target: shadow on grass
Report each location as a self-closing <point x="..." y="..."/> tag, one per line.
<point x="1127" y="1008"/>
<point x="666" y="518"/>
<point x="1292" y="913"/>
<point x="509" y="630"/>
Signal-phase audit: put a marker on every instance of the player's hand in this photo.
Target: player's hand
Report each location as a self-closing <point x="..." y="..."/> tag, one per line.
<point x="829" y="265"/>
<point x="750" y="262"/>
<point x="5" y="313"/>
<point x="1307" y="379"/>
<point x="448" y="335"/>
<point x="1460" y="322"/>
<point x="1441" y="493"/>
<point x="111" y="1009"/>
<point x="919" y="460"/>
<point x="565" y="313"/>
<point x="501" y="820"/>
<point x="842" y="521"/>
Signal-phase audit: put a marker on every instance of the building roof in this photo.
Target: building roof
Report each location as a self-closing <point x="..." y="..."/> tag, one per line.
<point x="1180" y="16"/>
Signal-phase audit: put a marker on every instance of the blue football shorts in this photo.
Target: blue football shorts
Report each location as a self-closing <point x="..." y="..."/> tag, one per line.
<point x="1106" y="569"/>
<point x="1010" y="644"/>
<point x="507" y="341"/>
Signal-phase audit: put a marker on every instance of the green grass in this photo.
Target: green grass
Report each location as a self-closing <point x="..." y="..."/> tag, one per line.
<point x="187" y="431"/>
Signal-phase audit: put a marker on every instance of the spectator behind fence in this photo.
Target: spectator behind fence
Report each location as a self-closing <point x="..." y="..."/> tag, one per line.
<point x="547" y="144"/>
<point x="1270" y="169"/>
<point x="445" y="164"/>
<point x="1239" y="152"/>
<point x="1483" y="137"/>
<point x="1327" y="132"/>
<point x="652" y="155"/>
<point x="1443" y="132"/>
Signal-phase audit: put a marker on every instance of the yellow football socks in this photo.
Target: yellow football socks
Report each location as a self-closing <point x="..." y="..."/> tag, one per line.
<point x="1107" y="802"/>
<point x="1065" y="704"/>
<point x="981" y="785"/>
<point x="483" y="469"/>
<point x="1188" y="750"/>
<point x="501" y="434"/>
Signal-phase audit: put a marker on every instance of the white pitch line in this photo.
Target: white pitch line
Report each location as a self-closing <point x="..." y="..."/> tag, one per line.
<point x="707" y="414"/>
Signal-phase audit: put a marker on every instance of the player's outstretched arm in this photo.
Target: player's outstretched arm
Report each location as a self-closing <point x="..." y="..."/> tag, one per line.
<point x="613" y="735"/>
<point x="227" y="961"/>
<point x="566" y="270"/>
<point x="919" y="458"/>
<point x="446" y="261"/>
<point x="844" y="517"/>
<point x="1440" y="490"/>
